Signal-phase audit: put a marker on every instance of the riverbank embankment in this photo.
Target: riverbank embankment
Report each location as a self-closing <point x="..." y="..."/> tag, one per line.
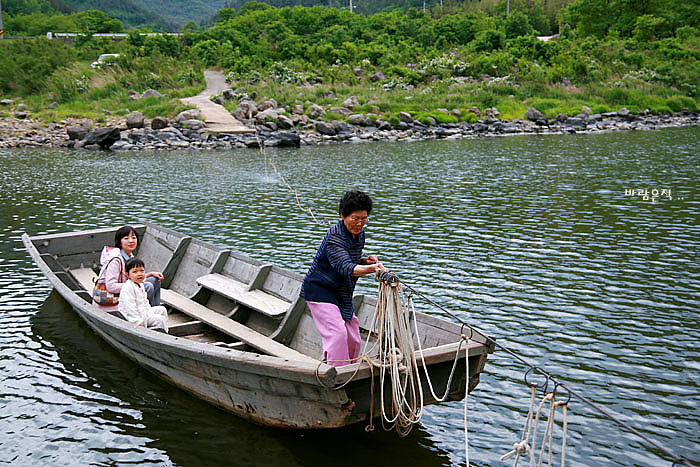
<point x="189" y="133"/>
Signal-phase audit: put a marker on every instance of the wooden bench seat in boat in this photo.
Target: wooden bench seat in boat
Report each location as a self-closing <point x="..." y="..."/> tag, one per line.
<point x="231" y="327"/>
<point x="86" y="278"/>
<point x="239" y="292"/>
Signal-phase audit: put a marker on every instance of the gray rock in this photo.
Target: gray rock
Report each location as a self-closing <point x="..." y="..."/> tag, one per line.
<point x="431" y="121"/>
<point x="480" y="127"/>
<point x="351" y="102"/>
<point x="492" y="112"/>
<point x="624" y="112"/>
<point x="239" y="114"/>
<point x="340" y="111"/>
<point x="192" y="124"/>
<point x="102" y="137"/>
<point x="22" y="115"/>
<point x="77" y="132"/>
<point x="383" y="125"/>
<point x="285" y="123"/>
<point x="326" y="128"/>
<point x="268" y="104"/>
<point x="316" y="111"/>
<point x="576" y="122"/>
<point x="561" y="117"/>
<point x="341" y="126"/>
<point x="456" y="113"/>
<point x="7" y="102"/>
<point x="329" y="95"/>
<point x="228" y="94"/>
<point x="298" y="109"/>
<point x="586" y="110"/>
<point x="402" y="125"/>
<point x="378" y="76"/>
<point x="248" y="107"/>
<point x="359" y="119"/>
<point x="135" y="120"/>
<point x="53" y="105"/>
<point x="21" y="108"/>
<point x="405" y="117"/>
<point x="134" y="94"/>
<point x="475" y="111"/>
<point x="269" y="114"/>
<point x="192" y="114"/>
<point x="534" y="115"/>
<point x="151" y="93"/>
<point x="220" y="100"/>
<point x="158" y="123"/>
<point x="288" y="139"/>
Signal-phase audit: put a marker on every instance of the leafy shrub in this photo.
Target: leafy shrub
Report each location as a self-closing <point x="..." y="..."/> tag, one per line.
<point x="489" y="40"/>
<point x="679" y="103"/>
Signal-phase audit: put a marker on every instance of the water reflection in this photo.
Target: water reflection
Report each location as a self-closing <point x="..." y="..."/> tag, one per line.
<point x="146" y="420"/>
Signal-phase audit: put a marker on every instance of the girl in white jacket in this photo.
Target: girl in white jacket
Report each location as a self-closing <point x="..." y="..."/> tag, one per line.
<point x="133" y="302"/>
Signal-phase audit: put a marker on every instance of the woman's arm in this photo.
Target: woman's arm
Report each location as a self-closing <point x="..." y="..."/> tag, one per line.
<point x="340" y="260"/>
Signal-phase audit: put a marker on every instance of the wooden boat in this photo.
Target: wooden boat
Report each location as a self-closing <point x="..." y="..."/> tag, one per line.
<point x="240" y="337"/>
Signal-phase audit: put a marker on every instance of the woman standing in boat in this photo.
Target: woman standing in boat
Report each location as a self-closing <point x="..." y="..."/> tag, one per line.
<point x="113" y="274"/>
<point x="330" y="281"/>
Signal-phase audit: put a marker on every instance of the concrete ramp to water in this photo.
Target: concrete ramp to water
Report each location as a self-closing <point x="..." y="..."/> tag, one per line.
<point x="216" y="117"/>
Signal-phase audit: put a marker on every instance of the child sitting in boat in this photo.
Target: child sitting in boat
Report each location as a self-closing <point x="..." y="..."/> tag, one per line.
<point x="133" y="302"/>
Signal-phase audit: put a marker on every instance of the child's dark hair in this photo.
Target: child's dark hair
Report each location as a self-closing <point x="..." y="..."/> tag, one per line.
<point x="355" y="200"/>
<point x="124" y="232"/>
<point x="132" y="263"/>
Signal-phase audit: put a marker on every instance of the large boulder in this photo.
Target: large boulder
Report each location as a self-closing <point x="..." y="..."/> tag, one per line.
<point x="351" y="102"/>
<point x="316" y="111"/>
<point x="359" y="119"/>
<point x="77" y="132"/>
<point x="284" y="122"/>
<point x="151" y="93"/>
<point x="7" y="102"/>
<point x="288" y="139"/>
<point x="192" y="124"/>
<point x="103" y="137"/>
<point x="326" y="128"/>
<point x="341" y="126"/>
<point x="158" y="123"/>
<point x="406" y="117"/>
<point x="228" y="94"/>
<point x="135" y="120"/>
<point x="378" y="76"/>
<point x="268" y="114"/>
<point x="340" y="111"/>
<point x="191" y="114"/>
<point x="248" y="107"/>
<point x="535" y="115"/>
<point x="268" y="104"/>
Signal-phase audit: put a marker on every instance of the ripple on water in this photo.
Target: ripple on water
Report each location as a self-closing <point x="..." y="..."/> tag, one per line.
<point x="532" y="239"/>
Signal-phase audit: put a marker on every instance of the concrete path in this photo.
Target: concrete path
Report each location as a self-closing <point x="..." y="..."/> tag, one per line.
<point x="216" y="117"/>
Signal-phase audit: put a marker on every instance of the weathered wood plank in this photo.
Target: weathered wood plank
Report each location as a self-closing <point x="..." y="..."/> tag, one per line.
<point x="85" y="277"/>
<point x="230" y="327"/>
<point x="238" y="291"/>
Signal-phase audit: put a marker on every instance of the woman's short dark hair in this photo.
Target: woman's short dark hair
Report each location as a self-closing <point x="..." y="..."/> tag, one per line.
<point x="132" y="263"/>
<point x="124" y="232"/>
<point x="355" y="200"/>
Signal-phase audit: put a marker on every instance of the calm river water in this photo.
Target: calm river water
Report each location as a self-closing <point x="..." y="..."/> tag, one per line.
<point x="535" y="240"/>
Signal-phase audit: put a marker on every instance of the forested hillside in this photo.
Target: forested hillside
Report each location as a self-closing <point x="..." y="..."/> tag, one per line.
<point x="643" y="55"/>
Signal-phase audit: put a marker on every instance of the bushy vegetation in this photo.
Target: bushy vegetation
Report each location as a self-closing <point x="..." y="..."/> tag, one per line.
<point x="455" y="57"/>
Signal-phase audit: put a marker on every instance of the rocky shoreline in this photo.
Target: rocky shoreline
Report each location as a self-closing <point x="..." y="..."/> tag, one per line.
<point x="186" y="132"/>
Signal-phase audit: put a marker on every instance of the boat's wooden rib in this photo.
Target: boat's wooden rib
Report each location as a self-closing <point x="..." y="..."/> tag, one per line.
<point x="231" y="327"/>
<point x="241" y="337"/>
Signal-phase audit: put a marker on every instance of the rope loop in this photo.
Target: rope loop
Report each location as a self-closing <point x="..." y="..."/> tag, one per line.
<point x="471" y="332"/>
<point x="540" y="371"/>
<point x="387" y="276"/>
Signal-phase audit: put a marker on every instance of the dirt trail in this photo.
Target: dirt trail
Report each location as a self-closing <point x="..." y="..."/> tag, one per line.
<point x="216" y="117"/>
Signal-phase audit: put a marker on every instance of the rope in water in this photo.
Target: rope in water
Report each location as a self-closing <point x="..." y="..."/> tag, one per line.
<point x="269" y="161"/>
<point x="557" y="384"/>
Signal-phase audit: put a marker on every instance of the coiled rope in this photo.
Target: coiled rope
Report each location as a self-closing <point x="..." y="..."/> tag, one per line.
<point x="677" y="460"/>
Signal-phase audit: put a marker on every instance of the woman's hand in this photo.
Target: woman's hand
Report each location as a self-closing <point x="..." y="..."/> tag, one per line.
<point x="157" y="275"/>
<point x="371" y="259"/>
<point x="364" y="269"/>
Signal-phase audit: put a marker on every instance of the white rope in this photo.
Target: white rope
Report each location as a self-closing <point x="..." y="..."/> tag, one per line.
<point x="466" y="396"/>
<point x="522" y="448"/>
